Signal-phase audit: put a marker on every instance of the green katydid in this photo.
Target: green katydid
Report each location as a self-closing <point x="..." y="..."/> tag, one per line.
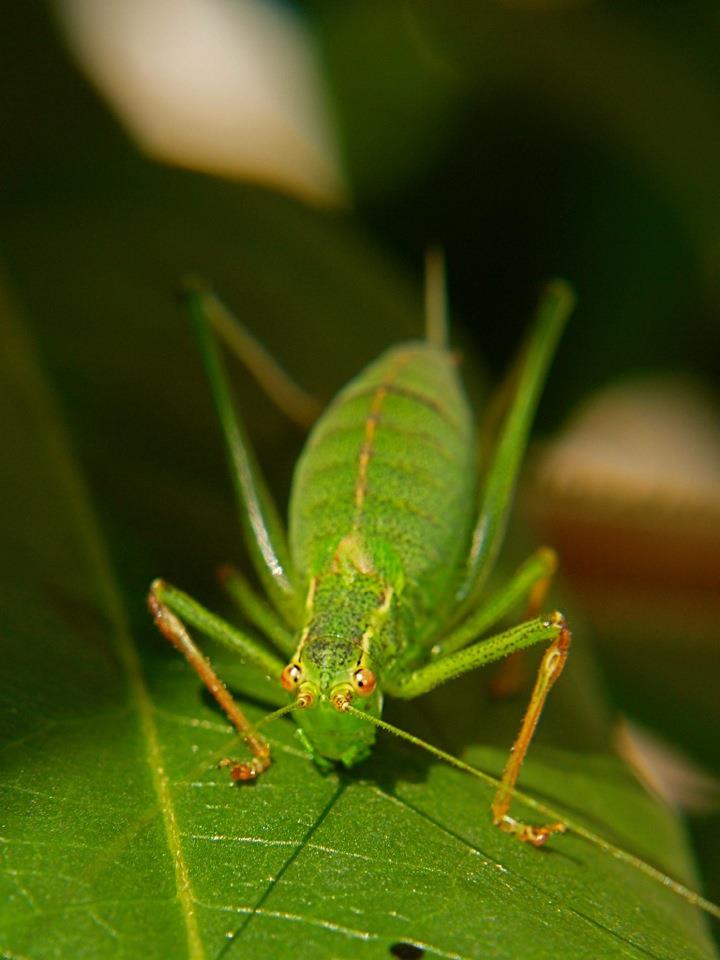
<point x="378" y="589"/>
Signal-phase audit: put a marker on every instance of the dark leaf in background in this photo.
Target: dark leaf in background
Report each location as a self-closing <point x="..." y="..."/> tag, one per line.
<point x="119" y="836"/>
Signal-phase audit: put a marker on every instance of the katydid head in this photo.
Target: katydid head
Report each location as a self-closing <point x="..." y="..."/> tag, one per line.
<point x="325" y="679"/>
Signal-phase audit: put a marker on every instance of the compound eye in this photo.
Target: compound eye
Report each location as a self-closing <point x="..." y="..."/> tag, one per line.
<point x="364" y="681"/>
<point x="291" y="676"/>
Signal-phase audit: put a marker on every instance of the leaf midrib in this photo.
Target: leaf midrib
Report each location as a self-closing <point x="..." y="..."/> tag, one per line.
<point x="61" y="452"/>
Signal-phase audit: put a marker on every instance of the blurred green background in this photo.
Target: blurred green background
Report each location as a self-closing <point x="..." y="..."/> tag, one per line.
<point x="529" y="139"/>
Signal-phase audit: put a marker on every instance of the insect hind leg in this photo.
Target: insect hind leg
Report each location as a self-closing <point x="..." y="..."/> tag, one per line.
<point x="511" y="675"/>
<point x="265" y="535"/>
<point x="287" y="395"/>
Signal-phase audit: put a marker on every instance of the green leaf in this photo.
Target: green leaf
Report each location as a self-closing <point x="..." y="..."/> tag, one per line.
<point x="120" y="838"/>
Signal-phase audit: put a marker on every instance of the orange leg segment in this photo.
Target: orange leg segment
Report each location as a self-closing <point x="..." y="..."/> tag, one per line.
<point x="550" y="669"/>
<point x="174" y="630"/>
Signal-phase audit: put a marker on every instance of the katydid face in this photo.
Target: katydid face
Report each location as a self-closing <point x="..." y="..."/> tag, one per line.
<point x="329" y="731"/>
<point x="344" y="649"/>
<point x="328" y="673"/>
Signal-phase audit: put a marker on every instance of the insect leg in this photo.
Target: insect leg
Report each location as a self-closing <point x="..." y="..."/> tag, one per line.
<point x="510" y="675"/>
<point x="417" y="682"/>
<point x="550" y="669"/>
<point x="256" y="610"/>
<point x="264" y="533"/>
<point x="288" y="396"/>
<point x="426" y="678"/>
<point x="523" y="390"/>
<point x="168" y="605"/>
<point x="532" y="579"/>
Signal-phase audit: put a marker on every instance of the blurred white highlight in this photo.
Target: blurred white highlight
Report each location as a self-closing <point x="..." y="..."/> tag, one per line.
<point x="226" y="86"/>
<point x="655" y="439"/>
<point x="629" y="495"/>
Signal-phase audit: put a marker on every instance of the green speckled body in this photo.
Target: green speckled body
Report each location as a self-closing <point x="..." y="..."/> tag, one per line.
<point x="379" y="588"/>
<point x="381" y="512"/>
<point x="408" y="415"/>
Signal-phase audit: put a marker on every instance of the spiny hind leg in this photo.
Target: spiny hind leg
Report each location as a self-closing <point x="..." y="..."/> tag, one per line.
<point x="263" y="530"/>
<point x="520" y="396"/>
<point x="550" y="669"/>
<point x="160" y="600"/>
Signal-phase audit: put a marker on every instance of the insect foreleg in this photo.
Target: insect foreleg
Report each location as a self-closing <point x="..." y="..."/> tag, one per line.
<point x="550" y="669"/>
<point x="183" y="605"/>
<point x="256" y="610"/>
<point x="427" y="678"/>
<point x="167" y="606"/>
<point x="490" y="650"/>
<point x="531" y="580"/>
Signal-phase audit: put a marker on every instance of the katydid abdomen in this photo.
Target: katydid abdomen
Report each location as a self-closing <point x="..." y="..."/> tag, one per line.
<point x="391" y="465"/>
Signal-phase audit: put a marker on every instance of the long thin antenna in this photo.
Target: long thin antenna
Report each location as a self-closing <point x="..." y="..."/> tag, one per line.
<point x="436" y="307"/>
<point x="276" y="714"/>
<point x="657" y="875"/>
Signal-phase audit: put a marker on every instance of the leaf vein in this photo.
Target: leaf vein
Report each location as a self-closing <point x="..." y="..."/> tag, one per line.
<point x="60" y="448"/>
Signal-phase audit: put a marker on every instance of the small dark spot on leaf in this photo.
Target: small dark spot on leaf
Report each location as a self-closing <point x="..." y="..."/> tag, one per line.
<point x="406" y="951"/>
